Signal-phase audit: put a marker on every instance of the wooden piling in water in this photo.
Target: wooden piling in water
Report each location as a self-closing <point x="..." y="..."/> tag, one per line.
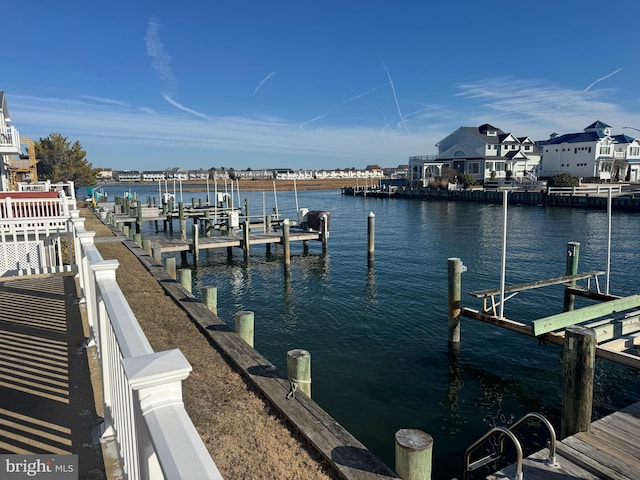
<point x="454" y="267"/>
<point x="414" y="454"/>
<point x="139" y="217"/>
<point x="573" y="254"/>
<point x="299" y="370"/>
<point x="196" y="243"/>
<point x="210" y="299"/>
<point x="244" y="325"/>
<point x="285" y="243"/>
<point x="371" y="233"/>
<point x="578" y="369"/>
<point x="245" y="239"/>
<point x="137" y="237"/>
<point x="183" y="222"/>
<point x="146" y="246"/>
<point x="324" y="228"/>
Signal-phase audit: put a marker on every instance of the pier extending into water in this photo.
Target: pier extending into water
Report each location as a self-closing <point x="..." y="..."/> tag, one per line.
<point x="606" y="449"/>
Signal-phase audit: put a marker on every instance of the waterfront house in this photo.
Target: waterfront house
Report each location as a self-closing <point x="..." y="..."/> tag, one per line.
<point x="487" y="153"/>
<point x="127" y="176"/>
<point x="9" y="143"/>
<point x="595" y="154"/>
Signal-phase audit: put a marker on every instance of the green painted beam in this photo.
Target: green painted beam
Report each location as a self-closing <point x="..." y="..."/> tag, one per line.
<point x="561" y="320"/>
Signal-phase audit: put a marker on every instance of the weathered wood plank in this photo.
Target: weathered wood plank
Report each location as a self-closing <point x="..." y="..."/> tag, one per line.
<point x="561" y="320"/>
<point x="535" y="467"/>
<point x="619" y="357"/>
<point x="569" y="454"/>
<point x="536" y="284"/>
<point x="607" y="462"/>
<point x="620" y="344"/>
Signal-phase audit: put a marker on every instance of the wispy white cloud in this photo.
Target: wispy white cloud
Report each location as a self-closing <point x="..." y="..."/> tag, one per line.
<point x="535" y="107"/>
<point x="263" y="81"/>
<point x="521" y="106"/>
<point x="185" y="109"/>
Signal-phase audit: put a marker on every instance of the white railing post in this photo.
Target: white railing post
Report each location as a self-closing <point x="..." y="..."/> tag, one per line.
<point x="176" y="450"/>
<point x="105" y="270"/>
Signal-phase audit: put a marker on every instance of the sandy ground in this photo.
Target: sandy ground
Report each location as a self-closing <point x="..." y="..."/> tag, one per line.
<point x="245" y="436"/>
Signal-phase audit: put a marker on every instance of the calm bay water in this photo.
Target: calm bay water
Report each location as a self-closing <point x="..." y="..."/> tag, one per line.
<point x="378" y="336"/>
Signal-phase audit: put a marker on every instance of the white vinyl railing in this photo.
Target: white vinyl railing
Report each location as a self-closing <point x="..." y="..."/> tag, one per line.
<point x="9" y="137"/>
<point x="144" y="411"/>
<point x="34" y="207"/>
<point x="584" y="189"/>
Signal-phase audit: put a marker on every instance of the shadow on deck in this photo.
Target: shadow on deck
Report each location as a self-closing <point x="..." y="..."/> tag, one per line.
<point x="46" y="397"/>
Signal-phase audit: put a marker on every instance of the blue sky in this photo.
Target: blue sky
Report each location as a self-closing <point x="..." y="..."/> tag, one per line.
<point x="332" y="84"/>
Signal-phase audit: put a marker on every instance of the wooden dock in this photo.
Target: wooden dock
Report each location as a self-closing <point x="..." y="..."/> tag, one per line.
<point x="609" y="450"/>
<point x="223" y="241"/>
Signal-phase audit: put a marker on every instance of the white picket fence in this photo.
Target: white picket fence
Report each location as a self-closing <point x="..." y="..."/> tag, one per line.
<point x="144" y="411"/>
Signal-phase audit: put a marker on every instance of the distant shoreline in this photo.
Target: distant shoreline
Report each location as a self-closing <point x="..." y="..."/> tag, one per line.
<point x="262" y="185"/>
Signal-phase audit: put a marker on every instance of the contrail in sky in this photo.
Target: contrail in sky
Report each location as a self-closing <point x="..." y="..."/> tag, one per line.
<point x="309" y="121"/>
<point x="183" y="108"/>
<point x="160" y="60"/>
<point x="263" y="81"/>
<point x="395" y="97"/>
<point x="601" y="79"/>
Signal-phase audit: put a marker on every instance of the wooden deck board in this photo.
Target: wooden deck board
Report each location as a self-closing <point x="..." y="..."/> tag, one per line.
<point x="609" y="450"/>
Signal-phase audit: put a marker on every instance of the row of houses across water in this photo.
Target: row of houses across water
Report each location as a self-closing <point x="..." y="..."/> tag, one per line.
<point x="487" y="153"/>
<point x="370" y="172"/>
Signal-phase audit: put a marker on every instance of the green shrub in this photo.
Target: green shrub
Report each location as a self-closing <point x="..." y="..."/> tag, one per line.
<point x="467" y="180"/>
<point x="563" y="180"/>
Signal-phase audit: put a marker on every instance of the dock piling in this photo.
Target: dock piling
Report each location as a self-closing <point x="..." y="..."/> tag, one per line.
<point x="210" y="299"/>
<point x="454" y="267"/>
<point x="371" y="232"/>
<point x="286" y="243"/>
<point x="414" y="453"/>
<point x="170" y="266"/>
<point x="578" y="369"/>
<point x="244" y="324"/>
<point x="299" y="370"/>
<point x="573" y="254"/>
<point x="184" y="275"/>
<point x="156" y="253"/>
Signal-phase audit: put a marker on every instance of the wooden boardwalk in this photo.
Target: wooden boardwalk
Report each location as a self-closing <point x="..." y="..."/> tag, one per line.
<point x="609" y="450"/>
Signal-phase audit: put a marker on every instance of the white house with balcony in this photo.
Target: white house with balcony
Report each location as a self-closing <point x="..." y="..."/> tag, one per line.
<point x="9" y="143"/>
<point x="594" y="153"/>
<point x="484" y="152"/>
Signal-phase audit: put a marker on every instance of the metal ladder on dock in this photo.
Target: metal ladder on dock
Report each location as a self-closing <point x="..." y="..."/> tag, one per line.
<point x="501" y="434"/>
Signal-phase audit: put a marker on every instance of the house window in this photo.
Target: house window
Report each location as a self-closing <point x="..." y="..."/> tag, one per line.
<point x="589" y="149"/>
<point x="527" y="148"/>
<point x="459" y="153"/>
<point x="635" y="151"/>
<point x="474" y="167"/>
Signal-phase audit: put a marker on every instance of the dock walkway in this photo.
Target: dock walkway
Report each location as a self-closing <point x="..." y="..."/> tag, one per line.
<point x="46" y="398"/>
<point x="609" y="450"/>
